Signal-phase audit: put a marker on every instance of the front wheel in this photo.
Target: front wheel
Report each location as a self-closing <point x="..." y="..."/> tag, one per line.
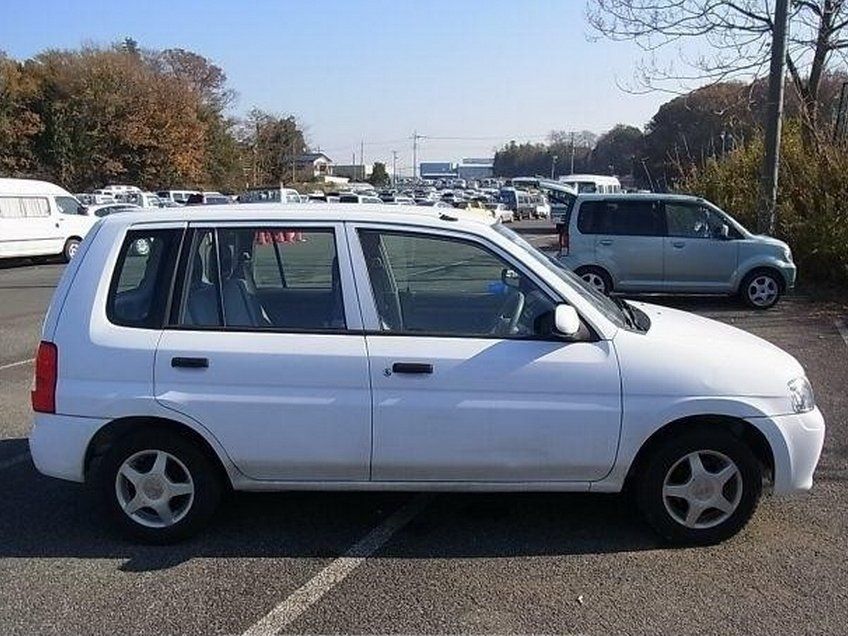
<point x="700" y="488"/>
<point x="70" y="249"/>
<point x="158" y="487"/>
<point x="761" y="289"/>
<point x="596" y="278"/>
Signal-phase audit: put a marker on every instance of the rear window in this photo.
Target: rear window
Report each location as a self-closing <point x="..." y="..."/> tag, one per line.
<point x="141" y="283"/>
<point x="629" y="218"/>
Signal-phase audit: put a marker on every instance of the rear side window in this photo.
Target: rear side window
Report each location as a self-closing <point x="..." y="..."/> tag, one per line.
<point x="141" y="283"/>
<point x="23" y="207"/>
<point x="628" y="218"/>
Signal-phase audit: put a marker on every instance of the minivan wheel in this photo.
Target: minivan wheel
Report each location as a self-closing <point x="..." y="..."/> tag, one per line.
<point x="158" y="487"/>
<point x="700" y="488"/>
<point x="761" y="289"/>
<point x="70" y="249"/>
<point x="596" y="278"/>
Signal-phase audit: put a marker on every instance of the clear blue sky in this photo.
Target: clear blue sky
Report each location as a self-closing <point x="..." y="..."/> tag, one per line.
<point x="375" y="71"/>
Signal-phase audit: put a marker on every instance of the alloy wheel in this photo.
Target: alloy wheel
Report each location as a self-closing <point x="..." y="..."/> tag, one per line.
<point x="154" y="488"/>
<point x="763" y="290"/>
<point x="702" y="489"/>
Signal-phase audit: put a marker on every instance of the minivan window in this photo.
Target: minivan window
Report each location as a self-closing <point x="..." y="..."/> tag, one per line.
<point x="263" y="277"/>
<point x="69" y="205"/>
<point x="140" y="284"/>
<point x="692" y="220"/>
<point x="630" y="218"/>
<point x="23" y="207"/>
<point x="443" y="286"/>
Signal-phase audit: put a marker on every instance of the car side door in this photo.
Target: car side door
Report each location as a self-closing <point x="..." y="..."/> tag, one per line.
<point x="265" y="349"/>
<point x="698" y="256"/>
<point x="628" y="240"/>
<point x="469" y="382"/>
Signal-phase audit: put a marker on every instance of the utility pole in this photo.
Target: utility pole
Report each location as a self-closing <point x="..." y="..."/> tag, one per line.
<point x="553" y="166"/>
<point x="394" y="168"/>
<point x="774" y="118"/>
<point x="414" y="155"/>
<point x="572" y="153"/>
<point x="292" y="154"/>
<point x="362" y="157"/>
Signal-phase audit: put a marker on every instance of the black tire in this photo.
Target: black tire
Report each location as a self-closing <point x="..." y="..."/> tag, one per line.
<point x="599" y="274"/>
<point x="204" y="474"/>
<point x="649" y="482"/>
<point x="70" y="249"/>
<point x="757" y="279"/>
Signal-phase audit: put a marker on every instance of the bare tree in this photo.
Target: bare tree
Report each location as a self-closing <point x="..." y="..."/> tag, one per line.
<point x="731" y="39"/>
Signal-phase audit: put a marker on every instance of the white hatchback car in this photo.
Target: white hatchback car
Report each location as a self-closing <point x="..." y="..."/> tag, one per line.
<point x="360" y="348"/>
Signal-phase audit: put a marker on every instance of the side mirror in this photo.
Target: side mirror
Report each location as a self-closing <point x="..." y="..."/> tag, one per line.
<point x="566" y="320"/>
<point x="724" y="231"/>
<point x="510" y="278"/>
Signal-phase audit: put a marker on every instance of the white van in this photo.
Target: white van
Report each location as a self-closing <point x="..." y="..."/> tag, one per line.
<point x="592" y="183"/>
<point x="38" y="218"/>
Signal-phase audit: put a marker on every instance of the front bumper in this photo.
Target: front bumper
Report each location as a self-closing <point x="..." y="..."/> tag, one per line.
<point x="58" y="444"/>
<point x="796" y="443"/>
<point x="790" y="273"/>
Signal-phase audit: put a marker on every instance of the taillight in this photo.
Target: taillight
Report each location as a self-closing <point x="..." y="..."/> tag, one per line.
<point x="46" y="372"/>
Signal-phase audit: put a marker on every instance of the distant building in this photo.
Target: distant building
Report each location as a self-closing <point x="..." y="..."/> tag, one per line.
<point x="437" y="170"/>
<point x="353" y="171"/>
<point x="476" y="168"/>
<point x="316" y="164"/>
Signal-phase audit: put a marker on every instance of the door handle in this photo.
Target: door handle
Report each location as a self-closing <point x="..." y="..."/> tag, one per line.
<point x="190" y="363"/>
<point x="678" y="244"/>
<point x="605" y="242"/>
<point x="412" y="367"/>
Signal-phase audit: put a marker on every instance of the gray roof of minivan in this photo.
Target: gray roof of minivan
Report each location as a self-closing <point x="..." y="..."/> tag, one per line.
<point x="660" y="196"/>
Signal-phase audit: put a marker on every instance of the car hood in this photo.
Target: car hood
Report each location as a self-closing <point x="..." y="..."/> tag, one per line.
<point x="685" y="354"/>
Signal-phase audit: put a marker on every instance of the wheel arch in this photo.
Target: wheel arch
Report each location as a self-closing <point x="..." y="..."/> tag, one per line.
<point x="751" y="269"/>
<point x="118" y="428"/>
<point x="755" y="438"/>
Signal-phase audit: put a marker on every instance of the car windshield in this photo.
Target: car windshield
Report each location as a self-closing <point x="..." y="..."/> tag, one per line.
<point x="612" y="310"/>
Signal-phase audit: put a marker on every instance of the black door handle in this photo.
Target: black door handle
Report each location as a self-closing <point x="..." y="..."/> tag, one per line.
<point x="412" y="367"/>
<point x="190" y="363"/>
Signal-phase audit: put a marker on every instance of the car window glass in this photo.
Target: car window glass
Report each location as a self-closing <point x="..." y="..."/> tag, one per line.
<point x="283" y="278"/>
<point x="23" y="207"/>
<point x="688" y="220"/>
<point x="628" y="218"/>
<point x="139" y="290"/>
<point x="68" y="205"/>
<point x="440" y="286"/>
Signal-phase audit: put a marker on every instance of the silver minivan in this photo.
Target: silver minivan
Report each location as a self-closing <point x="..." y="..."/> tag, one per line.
<point x="667" y="243"/>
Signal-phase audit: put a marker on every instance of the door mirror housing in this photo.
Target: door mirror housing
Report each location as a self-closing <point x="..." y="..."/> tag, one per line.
<point x="566" y="320"/>
<point x="724" y="231"/>
<point x="510" y="278"/>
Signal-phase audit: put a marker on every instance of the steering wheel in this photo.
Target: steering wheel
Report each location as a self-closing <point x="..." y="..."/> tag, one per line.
<point x="508" y="314"/>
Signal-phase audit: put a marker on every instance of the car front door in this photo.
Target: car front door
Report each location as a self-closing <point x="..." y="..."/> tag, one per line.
<point x="267" y="352"/>
<point x="469" y="384"/>
<point x="628" y="238"/>
<point x="698" y="256"/>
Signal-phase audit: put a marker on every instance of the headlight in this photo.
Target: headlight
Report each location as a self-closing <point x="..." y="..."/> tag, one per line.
<point x="787" y="254"/>
<point x="801" y="394"/>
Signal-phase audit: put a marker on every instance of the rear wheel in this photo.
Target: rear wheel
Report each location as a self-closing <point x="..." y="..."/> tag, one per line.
<point x="700" y="487"/>
<point x="761" y="288"/>
<point x="70" y="249"/>
<point x="597" y="278"/>
<point x="158" y="487"/>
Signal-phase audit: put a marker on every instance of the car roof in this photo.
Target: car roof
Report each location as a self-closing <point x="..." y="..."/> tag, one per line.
<point x="656" y="196"/>
<point x="307" y="212"/>
<point x="30" y="186"/>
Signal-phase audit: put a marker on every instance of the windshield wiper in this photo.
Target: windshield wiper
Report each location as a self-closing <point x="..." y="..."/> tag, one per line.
<point x="626" y="311"/>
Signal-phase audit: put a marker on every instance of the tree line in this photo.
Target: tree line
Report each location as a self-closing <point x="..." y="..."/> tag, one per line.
<point x="122" y="114"/>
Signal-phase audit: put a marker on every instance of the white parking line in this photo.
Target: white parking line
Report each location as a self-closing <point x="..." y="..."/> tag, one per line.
<point x="313" y="590"/>
<point x="13" y="461"/>
<point x="19" y="363"/>
<point x="843" y="329"/>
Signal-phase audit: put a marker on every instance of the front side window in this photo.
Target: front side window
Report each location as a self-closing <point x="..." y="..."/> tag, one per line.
<point x="23" y="207"/>
<point x="628" y="218"/>
<point x="692" y="220"/>
<point x="138" y="294"/>
<point x="267" y="277"/>
<point x="423" y="284"/>
<point x="69" y="205"/>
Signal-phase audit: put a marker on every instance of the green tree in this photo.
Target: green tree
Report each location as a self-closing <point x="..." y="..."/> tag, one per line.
<point x="379" y="176"/>
<point x="618" y="151"/>
<point x="271" y="145"/>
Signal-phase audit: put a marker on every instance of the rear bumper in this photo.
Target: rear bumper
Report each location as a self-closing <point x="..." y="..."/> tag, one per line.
<point x="58" y="444"/>
<point x="796" y="458"/>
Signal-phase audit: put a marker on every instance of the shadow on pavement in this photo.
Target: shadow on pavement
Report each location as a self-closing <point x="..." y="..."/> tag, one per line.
<point x="47" y="518"/>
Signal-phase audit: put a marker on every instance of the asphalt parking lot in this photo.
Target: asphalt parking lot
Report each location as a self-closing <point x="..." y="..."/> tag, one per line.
<point x="391" y="563"/>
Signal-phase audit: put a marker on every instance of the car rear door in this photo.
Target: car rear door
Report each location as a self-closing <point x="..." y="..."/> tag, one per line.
<point x="265" y="349"/>
<point x="628" y="240"/>
<point x="458" y="394"/>
<point x="698" y="257"/>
